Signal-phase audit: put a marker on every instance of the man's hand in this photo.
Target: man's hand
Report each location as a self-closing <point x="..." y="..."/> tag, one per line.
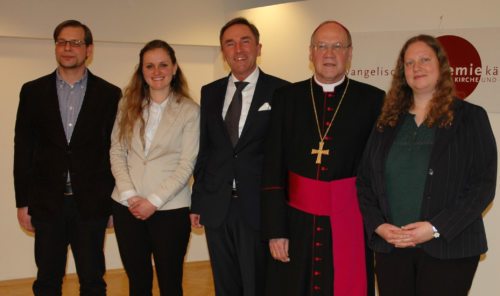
<point x="25" y="219"/>
<point x="195" y="220"/>
<point x="279" y="249"/>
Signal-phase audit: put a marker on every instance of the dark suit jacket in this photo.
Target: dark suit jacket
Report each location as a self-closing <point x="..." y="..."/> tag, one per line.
<point x="43" y="157"/>
<point x="218" y="164"/>
<point x="460" y="184"/>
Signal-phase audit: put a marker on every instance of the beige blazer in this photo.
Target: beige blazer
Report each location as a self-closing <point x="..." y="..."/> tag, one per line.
<point x="165" y="172"/>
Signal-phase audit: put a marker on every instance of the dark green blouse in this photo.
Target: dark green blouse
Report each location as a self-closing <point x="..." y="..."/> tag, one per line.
<point x="406" y="170"/>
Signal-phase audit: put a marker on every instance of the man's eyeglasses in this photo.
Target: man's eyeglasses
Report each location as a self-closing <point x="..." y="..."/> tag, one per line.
<point x="72" y="43"/>
<point x="323" y="47"/>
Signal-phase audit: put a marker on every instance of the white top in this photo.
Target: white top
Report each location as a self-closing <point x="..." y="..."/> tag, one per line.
<point x="152" y="116"/>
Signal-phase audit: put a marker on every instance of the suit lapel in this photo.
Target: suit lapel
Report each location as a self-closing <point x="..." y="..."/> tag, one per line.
<point x="218" y="105"/>
<point x="53" y="110"/>
<point x="137" y="143"/>
<point x="258" y="99"/>
<point x="167" y="122"/>
<point x="88" y="111"/>
<point x="444" y="135"/>
<point x="219" y="97"/>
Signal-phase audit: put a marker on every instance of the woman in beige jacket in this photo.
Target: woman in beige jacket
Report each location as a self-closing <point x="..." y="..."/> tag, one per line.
<point x="154" y="146"/>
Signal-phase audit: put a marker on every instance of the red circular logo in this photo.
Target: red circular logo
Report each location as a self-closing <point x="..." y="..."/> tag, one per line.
<point x="465" y="64"/>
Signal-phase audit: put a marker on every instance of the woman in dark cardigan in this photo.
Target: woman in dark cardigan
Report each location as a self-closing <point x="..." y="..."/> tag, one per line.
<point x="427" y="174"/>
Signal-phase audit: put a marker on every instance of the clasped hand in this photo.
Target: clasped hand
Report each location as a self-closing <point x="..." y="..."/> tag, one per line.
<point x="140" y="207"/>
<point x="406" y="236"/>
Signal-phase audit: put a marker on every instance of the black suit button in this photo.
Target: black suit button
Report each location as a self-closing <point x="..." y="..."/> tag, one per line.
<point x="428" y="197"/>
<point x="235" y="155"/>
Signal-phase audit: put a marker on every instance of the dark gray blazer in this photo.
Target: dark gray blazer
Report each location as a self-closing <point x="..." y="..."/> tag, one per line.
<point x="460" y="184"/>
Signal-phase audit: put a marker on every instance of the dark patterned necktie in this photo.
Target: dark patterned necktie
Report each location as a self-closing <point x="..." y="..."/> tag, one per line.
<point x="232" y="119"/>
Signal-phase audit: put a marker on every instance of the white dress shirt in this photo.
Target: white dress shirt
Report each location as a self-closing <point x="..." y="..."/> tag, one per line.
<point x="247" y="95"/>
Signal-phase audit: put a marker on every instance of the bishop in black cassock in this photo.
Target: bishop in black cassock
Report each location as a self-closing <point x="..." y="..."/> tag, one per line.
<point x="292" y="149"/>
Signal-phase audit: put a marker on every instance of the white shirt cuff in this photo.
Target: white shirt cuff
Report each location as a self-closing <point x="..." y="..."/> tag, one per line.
<point x="125" y="195"/>
<point x="155" y="200"/>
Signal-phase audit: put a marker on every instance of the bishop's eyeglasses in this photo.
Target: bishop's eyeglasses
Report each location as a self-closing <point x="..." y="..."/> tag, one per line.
<point x="323" y="47"/>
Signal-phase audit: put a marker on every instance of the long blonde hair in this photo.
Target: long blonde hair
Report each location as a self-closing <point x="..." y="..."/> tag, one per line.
<point x="137" y="96"/>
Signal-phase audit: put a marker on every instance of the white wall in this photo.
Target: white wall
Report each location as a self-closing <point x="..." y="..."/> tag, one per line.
<point x="27" y="59"/>
<point x="286" y="31"/>
<point x="180" y="22"/>
<point x="120" y="27"/>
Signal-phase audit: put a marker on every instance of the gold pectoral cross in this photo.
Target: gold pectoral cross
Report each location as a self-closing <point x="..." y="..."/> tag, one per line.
<point x="320" y="152"/>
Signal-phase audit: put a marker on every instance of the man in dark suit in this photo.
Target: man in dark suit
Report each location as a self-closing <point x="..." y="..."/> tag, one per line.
<point x="226" y="192"/>
<point x="62" y="175"/>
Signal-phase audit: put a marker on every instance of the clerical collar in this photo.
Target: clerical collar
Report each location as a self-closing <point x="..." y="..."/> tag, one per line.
<point x="329" y="87"/>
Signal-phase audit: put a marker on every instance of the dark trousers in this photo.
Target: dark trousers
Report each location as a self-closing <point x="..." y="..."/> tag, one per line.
<point x="86" y="238"/>
<point x="370" y="272"/>
<point x="164" y="235"/>
<point x="411" y="272"/>
<point x="237" y="255"/>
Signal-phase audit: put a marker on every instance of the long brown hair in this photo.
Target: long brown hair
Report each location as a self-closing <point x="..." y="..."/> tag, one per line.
<point x="399" y="99"/>
<point x="137" y="96"/>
